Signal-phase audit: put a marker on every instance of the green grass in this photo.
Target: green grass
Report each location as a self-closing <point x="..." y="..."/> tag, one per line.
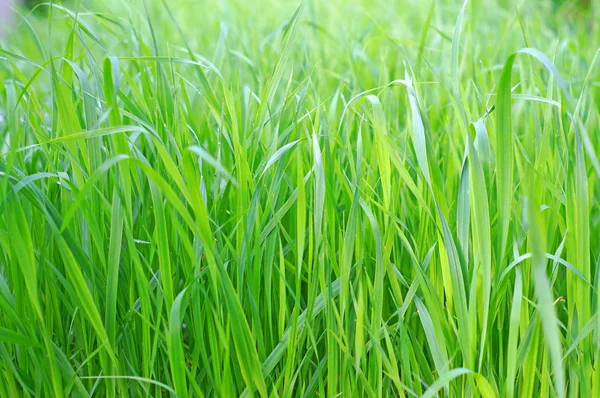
<point x="275" y="198"/>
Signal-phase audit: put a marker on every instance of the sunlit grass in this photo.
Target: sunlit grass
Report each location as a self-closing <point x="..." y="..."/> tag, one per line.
<point x="318" y="198"/>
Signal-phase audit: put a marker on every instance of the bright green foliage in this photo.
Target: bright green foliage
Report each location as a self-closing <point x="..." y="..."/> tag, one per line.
<point x="286" y="199"/>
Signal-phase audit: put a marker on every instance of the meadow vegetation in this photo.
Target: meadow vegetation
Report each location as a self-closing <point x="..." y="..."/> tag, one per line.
<point x="300" y="198"/>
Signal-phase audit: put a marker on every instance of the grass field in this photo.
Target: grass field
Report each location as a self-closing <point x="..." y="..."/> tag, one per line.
<point x="286" y="199"/>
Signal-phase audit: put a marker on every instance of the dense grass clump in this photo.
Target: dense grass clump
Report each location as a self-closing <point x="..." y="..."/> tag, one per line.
<point x="286" y="198"/>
